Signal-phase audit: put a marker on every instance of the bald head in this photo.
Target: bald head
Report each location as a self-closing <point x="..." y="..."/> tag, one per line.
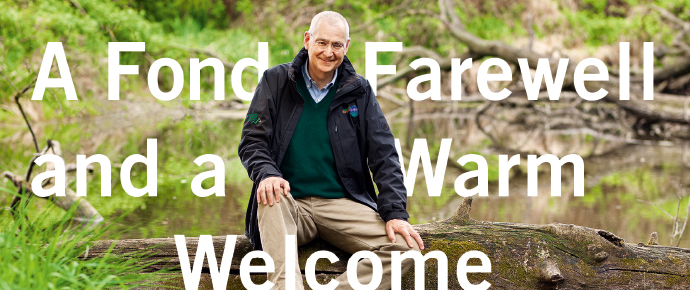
<point x="332" y="18"/>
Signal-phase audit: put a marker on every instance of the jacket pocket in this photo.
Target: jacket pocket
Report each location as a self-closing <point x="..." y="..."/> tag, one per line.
<point x="338" y="133"/>
<point x="347" y="137"/>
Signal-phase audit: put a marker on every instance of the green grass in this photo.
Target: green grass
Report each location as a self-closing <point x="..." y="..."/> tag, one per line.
<point x="37" y="257"/>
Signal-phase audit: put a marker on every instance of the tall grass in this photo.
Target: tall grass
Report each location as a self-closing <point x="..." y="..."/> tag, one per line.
<point x="53" y="257"/>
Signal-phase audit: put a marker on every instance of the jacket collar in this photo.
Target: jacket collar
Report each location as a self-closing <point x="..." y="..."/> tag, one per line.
<point x="346" y="72"/>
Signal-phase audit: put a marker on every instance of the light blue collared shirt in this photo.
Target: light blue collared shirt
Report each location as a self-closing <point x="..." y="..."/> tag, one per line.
<point x="313" y="88"/>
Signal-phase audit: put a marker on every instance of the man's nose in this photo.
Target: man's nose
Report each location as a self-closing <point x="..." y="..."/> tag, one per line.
<point x="329" y="51"/>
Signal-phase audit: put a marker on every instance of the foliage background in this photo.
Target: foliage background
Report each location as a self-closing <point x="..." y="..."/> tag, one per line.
<point x="231" y="30"/>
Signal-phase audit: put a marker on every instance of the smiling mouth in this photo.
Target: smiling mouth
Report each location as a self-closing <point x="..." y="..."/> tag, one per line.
<point x="326" y="61"/>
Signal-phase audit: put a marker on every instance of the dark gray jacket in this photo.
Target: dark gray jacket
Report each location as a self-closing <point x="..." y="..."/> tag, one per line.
<point x="361" y="141"/>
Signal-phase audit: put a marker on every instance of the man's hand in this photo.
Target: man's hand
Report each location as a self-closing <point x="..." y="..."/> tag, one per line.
<point x="270" y="190"/>
<point x="405" y="229"/>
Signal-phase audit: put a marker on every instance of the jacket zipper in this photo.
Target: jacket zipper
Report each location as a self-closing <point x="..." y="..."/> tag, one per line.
<point x="282" y="136"/>
<point x="342" y="91"/>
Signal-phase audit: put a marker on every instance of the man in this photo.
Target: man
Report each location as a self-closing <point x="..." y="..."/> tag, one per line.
<point x="313" y="132"/>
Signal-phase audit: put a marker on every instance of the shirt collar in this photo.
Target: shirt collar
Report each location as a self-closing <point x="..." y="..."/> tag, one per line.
<point x="310" y="82"/>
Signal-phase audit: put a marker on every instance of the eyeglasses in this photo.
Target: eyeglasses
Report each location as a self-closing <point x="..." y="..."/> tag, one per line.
<point x="336" y="46"/>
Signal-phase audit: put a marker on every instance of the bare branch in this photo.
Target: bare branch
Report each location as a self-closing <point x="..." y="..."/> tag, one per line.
<point x="402" y="6"/>
<point x="677" y="68"/>
<point x="669" y="16"/>
<point x="78" y="6"/>
<point x="394" y="78"/>
<point x="448" y="14"/>
<point x="391" y="97"/>
<point x="30" y="168"/>
<point x="227" y="64"/>
<point x="679" y="83"/>
<point x="687" y="210"/>
<point x="444" y="64"/>
<point x="489" y="47"/>
<point x="422" y="51"/>
<point x="657" y="206"/>
<point x="16" y="100"/>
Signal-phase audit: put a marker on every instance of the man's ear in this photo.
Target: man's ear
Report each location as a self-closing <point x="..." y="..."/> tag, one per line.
<point x="307" y="37"/>
<point x="347" y="46"/>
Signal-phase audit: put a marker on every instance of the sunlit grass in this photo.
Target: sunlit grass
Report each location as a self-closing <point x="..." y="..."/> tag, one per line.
<point x="36" y="257"/>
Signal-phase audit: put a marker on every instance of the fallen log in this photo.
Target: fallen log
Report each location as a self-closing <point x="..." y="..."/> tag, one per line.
<point x="479" y="48"/>
<point x="85" y="213"/>
<point x="523" y="256"/>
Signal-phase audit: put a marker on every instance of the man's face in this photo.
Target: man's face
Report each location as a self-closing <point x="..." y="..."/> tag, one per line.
<point x="324" y="55"/>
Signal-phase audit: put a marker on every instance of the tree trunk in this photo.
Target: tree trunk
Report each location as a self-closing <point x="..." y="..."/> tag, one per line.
<point x="523" y="256"/>
<point x="231" y="11"/>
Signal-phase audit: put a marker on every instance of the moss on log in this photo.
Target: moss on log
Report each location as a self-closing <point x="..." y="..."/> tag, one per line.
<point x="523" y="256"/>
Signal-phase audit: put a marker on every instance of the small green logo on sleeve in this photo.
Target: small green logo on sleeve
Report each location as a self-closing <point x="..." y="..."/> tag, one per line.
<point x="253" y="118"/>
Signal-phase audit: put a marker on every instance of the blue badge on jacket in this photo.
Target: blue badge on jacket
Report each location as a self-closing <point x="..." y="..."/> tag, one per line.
<point x="352" y="110"/>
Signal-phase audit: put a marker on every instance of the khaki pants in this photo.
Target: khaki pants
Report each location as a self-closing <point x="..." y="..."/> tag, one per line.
<point x="347" y="224"/>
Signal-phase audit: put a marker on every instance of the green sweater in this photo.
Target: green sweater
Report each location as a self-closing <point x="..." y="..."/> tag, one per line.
<point x="308" y="164"/>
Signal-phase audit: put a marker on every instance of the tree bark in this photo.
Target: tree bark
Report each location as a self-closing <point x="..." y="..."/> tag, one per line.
<point x="479" y="48"/>
<point x="84" y="212"/>
<point x="523" y="256"/>
<point x="231" y="11"/>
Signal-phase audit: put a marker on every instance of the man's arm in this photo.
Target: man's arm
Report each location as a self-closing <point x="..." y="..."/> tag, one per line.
<point x="385" y="166"/>
<point x="254" y="147"/>
<point x="383" y="162"/>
